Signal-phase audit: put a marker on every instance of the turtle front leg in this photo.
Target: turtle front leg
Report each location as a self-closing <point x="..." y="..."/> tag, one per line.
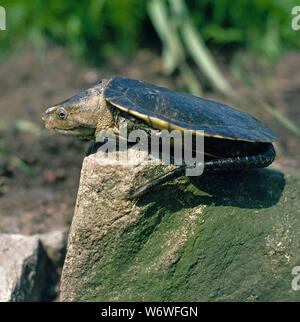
<point x="92" y="148"/>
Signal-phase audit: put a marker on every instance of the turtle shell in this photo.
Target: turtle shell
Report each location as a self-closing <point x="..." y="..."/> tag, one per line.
<point x="162" y="108"/>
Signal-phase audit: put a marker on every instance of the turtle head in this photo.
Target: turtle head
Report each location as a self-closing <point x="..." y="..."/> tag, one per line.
<point x="77" y="116"/>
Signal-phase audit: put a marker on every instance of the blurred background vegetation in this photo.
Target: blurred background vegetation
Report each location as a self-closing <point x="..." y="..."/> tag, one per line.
<point x="96" y="29"/>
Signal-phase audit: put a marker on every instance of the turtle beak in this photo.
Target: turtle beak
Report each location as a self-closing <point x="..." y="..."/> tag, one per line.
<point x="47" y="116"/>
<point x="44" y="117"/>
<point x="48" y="112"/>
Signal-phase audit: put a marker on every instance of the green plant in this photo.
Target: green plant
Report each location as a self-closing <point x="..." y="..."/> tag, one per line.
<point x="90" y="29"/>
<point x="180" y="39"/>
<point x="96" y="29"/>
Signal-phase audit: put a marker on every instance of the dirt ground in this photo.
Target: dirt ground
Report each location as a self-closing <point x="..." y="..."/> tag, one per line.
<point x="39" y="171"/>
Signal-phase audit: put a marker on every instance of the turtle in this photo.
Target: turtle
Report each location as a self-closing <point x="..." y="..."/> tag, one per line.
<point x="233" y="140"/>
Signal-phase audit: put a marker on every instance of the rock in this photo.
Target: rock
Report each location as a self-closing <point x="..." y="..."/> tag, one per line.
<point x="25" y="270"/>
<point x="221" y="237"/>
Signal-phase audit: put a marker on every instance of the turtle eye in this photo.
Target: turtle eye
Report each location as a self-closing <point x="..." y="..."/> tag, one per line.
<point x="62" y="114"/>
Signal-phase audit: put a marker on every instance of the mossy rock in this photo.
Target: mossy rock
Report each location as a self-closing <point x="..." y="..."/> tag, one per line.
<point x="222" y="237"/>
